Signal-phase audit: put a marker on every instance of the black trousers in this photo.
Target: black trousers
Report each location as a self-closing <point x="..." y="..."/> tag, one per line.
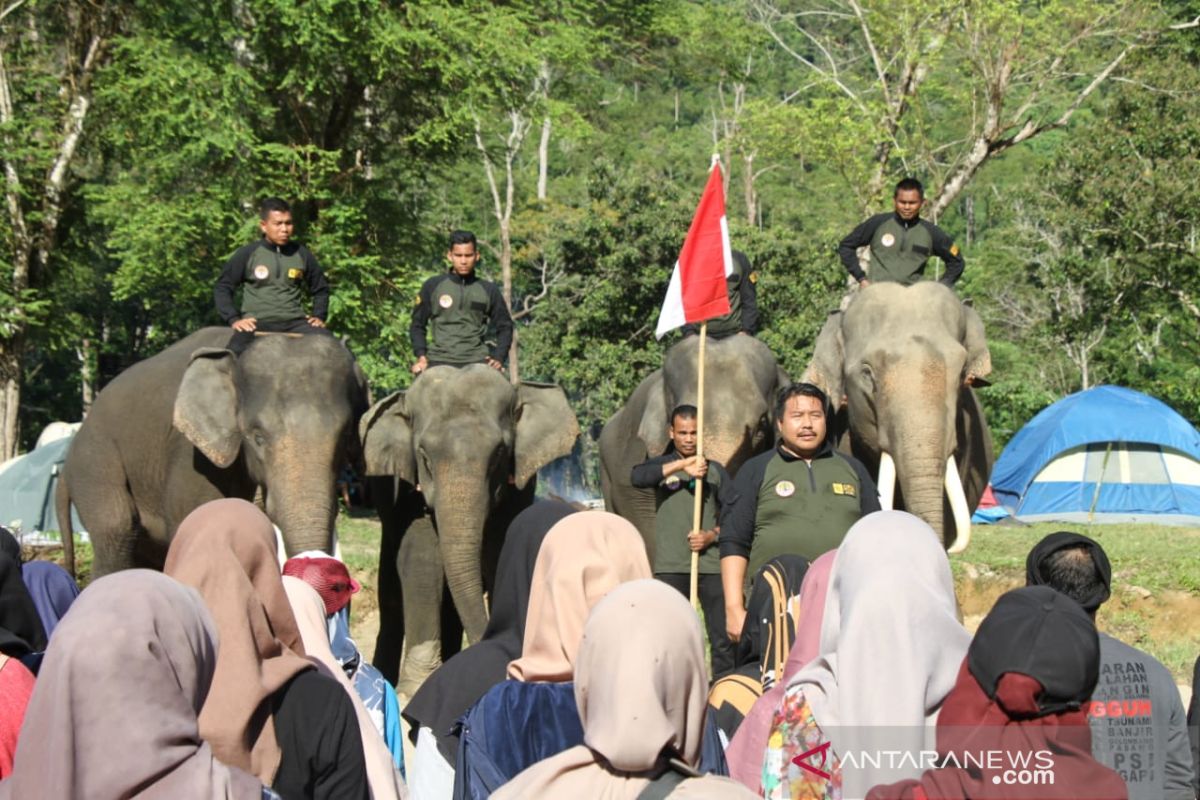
<point x="712" y="600"/>
<point x="242" y="339"/>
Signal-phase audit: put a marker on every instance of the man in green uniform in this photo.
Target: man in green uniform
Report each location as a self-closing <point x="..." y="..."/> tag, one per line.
<point x="273" y="273"/>
<point x="460" y="307"/>
<point x="673" y="477"/>
<point x="901" y="242"/>
<point x="798" y="498"/>
<point x="743" y="303"/>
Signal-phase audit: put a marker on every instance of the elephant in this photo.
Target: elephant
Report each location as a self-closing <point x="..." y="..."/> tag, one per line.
<point x="741" y="381"/>
<point x="197" y="423"/>
<point x="900" y="363"/>
<point x="462" y="448"/>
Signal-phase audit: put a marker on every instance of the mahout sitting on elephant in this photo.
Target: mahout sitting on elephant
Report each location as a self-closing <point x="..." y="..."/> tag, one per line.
<point x="197" y="423"/>
<point x="901" y="361"/>
<point x="460" y="450"/>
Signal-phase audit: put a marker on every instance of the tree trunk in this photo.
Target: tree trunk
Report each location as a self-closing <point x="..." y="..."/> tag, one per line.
<point x="87" y="375"/>
<point x="11" y="351"/>
<point x="748" y="191"/>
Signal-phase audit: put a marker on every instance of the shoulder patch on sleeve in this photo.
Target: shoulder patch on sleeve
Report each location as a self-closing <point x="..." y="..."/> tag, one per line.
<point x="417" y="300"/>
<point x="954" y="250"/>
<point x="753" y="276"/>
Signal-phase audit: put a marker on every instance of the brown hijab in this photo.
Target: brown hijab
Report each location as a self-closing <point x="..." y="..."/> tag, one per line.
<point x="226" y="551"/>
<point x="641" y="688"/>
<point x="114" y="711"/>
<point x="581" y="559"/>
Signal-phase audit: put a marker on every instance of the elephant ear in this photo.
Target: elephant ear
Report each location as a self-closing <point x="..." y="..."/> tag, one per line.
<point x="652" y="429"/>
<point x="387" y="439"/>
<point x="979" y="358"/>
<point x="206" y="405"/>
<point x="546" y="428"/>
<point x="825" y="369"/>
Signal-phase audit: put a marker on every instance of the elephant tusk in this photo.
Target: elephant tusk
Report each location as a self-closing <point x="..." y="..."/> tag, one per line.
<point x="887" y="481"/>
<point x="958" y="507"/>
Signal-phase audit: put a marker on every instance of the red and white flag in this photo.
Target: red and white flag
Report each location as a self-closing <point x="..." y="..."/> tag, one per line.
<point x="697" y="289"/>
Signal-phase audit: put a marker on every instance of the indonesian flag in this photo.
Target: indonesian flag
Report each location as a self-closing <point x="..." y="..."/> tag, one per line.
<point x="697" y="290"/>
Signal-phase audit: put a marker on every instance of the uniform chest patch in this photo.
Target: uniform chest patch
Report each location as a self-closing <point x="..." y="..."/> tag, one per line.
<point x="887" y="240"/>
<point x="445" y="301"/>
<point x="785" y="488"/>
<point x="261" y="272"/>
<point x="672" y="482"/>
<point x="294" y="273"/>
<point x="847" y="489"/>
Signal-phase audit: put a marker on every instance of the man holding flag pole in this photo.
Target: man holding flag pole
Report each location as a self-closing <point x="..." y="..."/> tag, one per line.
<point x="697" y="293"/>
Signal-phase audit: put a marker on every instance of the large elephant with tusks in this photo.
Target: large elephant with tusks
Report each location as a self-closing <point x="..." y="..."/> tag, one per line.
<point x="197" y="423"/>
<point x="741" y="380"/>
<point x="900" y="361"/>
<point x="461" y="450"/>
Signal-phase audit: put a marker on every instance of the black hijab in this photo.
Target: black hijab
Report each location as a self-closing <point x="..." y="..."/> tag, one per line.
<point x="21" y="631"/>
<point x="1041" y="633"/>
<point x="460" y="682"/>
<point x="768" y="626"/>
<point x="1036" y="574"/>
<point x="9" y="545"/>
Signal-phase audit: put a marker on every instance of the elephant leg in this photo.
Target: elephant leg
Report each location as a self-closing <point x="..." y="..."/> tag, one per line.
<point x="451" y="626"/>
<point x="389" y="644"/>
<point x="422" y="585"/>
<point x="111" y="523"/>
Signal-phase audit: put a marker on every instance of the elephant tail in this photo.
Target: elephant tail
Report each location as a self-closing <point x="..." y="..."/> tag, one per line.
<point x="62" y="509"/>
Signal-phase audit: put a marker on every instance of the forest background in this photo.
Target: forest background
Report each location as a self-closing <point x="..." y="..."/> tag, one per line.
<point x="1058" y="142"/>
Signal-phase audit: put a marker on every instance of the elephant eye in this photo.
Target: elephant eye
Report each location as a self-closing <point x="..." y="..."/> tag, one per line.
<point x="259" y="439"/>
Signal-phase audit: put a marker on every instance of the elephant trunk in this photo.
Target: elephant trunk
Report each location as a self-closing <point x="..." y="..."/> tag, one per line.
<point x="922" y="478"/>
<point x="462" y="507"/>
<point x="724" y="448"/>
<point x="305" y="511"/>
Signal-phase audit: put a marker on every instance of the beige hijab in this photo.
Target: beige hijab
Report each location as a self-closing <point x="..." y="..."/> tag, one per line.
<point x="641" y="688"/>
<point x="581" y="559"/>
<point x="225" y="549"/>
<point x="114" y="711"/>
<point x="309" y="609"/>
<point x="891" y="646"/>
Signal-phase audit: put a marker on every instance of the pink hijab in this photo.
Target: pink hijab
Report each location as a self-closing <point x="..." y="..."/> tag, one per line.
<point x="745" y="751"/>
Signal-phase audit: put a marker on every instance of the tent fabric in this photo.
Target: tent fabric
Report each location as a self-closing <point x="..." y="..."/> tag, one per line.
<point x="1108" y="454"/>
<point x="27" y="487"/>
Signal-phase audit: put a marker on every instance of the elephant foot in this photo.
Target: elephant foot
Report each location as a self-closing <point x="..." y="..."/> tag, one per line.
<point x="419" y="663"/>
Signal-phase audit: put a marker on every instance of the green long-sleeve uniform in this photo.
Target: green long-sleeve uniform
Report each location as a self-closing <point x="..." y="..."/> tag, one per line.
<point x="899" y="250"/>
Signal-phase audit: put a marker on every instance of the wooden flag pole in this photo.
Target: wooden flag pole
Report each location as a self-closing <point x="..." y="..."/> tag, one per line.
<point x="698" y="508"/>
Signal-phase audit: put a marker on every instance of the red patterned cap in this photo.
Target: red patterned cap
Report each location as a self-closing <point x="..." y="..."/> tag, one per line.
<point x="328" y="576"/>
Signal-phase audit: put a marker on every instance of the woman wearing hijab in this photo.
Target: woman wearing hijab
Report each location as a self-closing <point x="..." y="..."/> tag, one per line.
<point x="532" y="715"/>
<point x="745" y="751"/>
<point x="21" y="632"/>
<point x="52" y="589"/>
<point x="9" y="545"/>
<point x="115" y="710"/>
<point x="460" y="682"/>
<point x="763" y="647"/>
<point x="269" y="711"/>
<point x="891" y="645"/>
<point x="309" y="610"/>
<point x="334" y="584"/>
<point x="1020" y="705"/>
<point x="640" y="687"/>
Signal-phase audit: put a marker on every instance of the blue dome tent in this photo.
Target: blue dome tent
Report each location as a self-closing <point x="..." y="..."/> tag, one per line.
<point x="1107" y="454"/>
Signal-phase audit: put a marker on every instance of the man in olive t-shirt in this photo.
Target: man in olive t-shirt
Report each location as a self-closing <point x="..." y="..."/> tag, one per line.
<point x="673" y="477"/>
<point x="460" y="307"/>
<point x="799" y="498"/>
<point x="274" y="273"/>
<point x="901" y="242"/>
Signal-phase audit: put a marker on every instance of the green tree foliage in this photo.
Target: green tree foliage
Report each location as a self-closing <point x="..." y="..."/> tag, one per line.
<point x="574" y="139"/>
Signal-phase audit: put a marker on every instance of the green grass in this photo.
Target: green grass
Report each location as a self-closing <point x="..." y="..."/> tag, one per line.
<point x="1156" y="580"/>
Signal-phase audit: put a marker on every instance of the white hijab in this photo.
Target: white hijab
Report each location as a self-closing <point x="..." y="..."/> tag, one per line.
<point x="891" y="647"/>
